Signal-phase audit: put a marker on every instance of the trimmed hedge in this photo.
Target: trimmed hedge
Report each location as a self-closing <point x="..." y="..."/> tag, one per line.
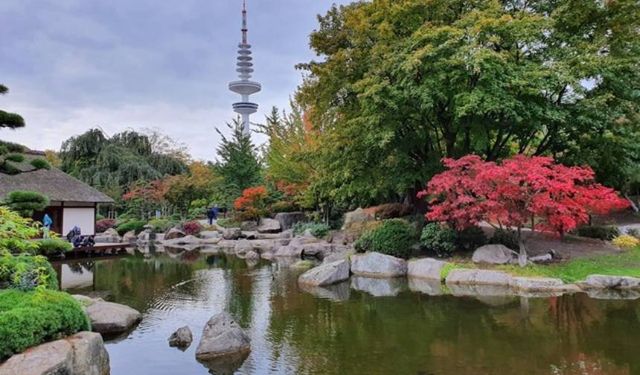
<point x="161" y="225"/>
<point x="393" y="237"/>
<point x="26" y="202"/>
<point x="32" y="318"/>
<point x="40" y="164"/>
<point x="318" y="230"/>
<point x="438" y="238"/>
<point x="26" y="272"/>
<point x="128" y="226"/>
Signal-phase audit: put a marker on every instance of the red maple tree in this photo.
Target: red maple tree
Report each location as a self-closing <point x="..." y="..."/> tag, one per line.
<point x="521" y="191"/>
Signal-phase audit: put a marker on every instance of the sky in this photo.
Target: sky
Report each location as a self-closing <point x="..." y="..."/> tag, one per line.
<point x="72" y="65"/>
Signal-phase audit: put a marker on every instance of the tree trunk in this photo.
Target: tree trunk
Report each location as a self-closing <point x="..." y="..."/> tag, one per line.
<point x="633" y="204"/>
<point x="522" y="256"/>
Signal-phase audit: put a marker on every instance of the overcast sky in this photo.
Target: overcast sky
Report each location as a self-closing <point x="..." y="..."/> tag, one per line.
<point x="72" y="65"/>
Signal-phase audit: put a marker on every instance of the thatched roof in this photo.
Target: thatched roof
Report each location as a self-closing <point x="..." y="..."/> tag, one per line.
<point x="53" y="183"/>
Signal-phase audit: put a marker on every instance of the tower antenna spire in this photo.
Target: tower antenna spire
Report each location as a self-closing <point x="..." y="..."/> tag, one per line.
<point x="245" y="87"/>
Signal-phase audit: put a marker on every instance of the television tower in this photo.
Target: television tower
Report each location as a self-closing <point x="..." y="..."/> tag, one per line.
<point x="245" y="87"/>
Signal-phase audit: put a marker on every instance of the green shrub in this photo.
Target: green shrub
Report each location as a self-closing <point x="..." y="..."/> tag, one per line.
<point x="471" y="238"/>
<point x="601" y="232"/>
<point x="16" y="232"/>
<point x="128" y="226"/>
<point x="51" y="246"/>
<point x="26" y="202"/>
<point x="17" y="158"/>
<point x="438" y="238"/>
<point x="393" y="237"/>
<point x="31" y="318"/>
<point x="506" y="237"/>
<point x="228" y="223"/>
<point x="161" y="225"/>
<point x="40" y="164"/>
<point x="318" y="230"/>
<point x="26" y="272"/>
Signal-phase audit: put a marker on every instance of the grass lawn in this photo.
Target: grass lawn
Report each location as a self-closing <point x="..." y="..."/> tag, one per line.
<point x="624" y="264"/>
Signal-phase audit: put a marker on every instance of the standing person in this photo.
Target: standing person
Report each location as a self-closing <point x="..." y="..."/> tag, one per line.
<point x="216" y="211"/>
<point x="47" y="222"/>
<point x="211" y="215"/>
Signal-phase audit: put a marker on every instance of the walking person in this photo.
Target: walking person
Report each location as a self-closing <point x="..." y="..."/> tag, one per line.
<point x="211" y="215"/>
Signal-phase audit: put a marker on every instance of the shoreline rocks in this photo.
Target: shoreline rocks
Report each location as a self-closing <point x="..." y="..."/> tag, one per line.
<point x="378" y="265"/>
<point x="426" y="268"/>
<point x="326" y="274"/>
<point x="107" y="317"/>
<point x="81" y="354"/>
<point x="222" y="337"/>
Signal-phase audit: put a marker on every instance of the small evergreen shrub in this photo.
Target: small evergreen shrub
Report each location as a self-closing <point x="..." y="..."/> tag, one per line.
<point x="318" y="230"/>
<point x="51" y="246"/>
<point x="192" y="228"/>
<point x="26" y="202"/>
<point x="104" y="224"/>
<point x="40" y="164"/>
<point x="26" y="272"/>
<point x="161" y="225"/>
<point x="626" y="242"/>
<point x="438" y="238"/>
<point x="601" y="232"/>
<point x="471" y="238"/>
<point x="133" y="225"/>
<point x="393" y="237"/>
<point x="506" y="237"/>
<point x="17" y="158"/>
<point x="31" y="318"/>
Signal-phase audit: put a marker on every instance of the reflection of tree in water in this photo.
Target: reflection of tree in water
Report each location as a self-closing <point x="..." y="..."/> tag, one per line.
<point x="414" y="333"/>
<point x="136" y="281"/>
<point x="240" y="281"/>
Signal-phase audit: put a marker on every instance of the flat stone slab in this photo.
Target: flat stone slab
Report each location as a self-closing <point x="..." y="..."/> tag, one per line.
<point x="478" y="277"/>
<point x="378" y="265"/>
<point x="533" y="284"/>
<point x="326" y="274"/>
<point x="611" y="282"/>
<point x="81" y="354"/>
<point x="426" y="268"/>
<point x="108" y="317"/>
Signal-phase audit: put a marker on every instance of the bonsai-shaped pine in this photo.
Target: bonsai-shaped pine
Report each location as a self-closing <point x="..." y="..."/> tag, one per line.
<point x="9" y="120"/>
<point x="26" y="202"/>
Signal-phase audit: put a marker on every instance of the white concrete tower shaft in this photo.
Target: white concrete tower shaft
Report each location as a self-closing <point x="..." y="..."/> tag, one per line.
<point x="245" y="87"/>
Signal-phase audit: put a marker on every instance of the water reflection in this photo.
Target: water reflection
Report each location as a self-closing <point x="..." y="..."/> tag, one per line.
<point x="346" y="329"/>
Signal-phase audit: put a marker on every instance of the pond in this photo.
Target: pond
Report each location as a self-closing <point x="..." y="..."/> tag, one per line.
<point x="342" y="330"/>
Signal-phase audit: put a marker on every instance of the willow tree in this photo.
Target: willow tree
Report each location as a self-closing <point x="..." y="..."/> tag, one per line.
<point x="114" y="164"/>
<point x="401" y="84"/>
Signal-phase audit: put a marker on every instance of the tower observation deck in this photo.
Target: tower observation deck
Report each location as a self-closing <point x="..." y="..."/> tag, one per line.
<point x="245" y="87"/>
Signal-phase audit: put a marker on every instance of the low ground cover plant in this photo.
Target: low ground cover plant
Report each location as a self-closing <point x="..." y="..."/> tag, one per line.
<point x="318" y="230"/>
<point x="31" y="318"/>
<point x="53" y="246"/>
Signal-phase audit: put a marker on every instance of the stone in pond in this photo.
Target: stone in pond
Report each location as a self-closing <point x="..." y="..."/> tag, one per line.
<point x="222" y="338"/>
<point x="326" y="274"/>
<point x="108" y="317"/>
<point x="181" y="338"/>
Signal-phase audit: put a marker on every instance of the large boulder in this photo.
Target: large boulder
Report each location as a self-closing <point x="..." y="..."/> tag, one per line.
<point x="478" y="277"/>
<point x="269" y="226"/>
<point x="494" y="254"/>
<point x="288" y="219"/>
<point x="222" y="337"/>
<point x="174" y="233"/>
<point x="326" y="274"/>
<point x="130" y="237"/>
<point x="232" y="233"/>
<point x="357" y="218"/>
<point x="249" y="226"/>
<point x="81" y="354"/>
<point x="186" y="240"/>
<point x="611" y="282"/>
<point x="242" y="248"/>
<point x="181" y="338"/>
<point x="296" y="246"/>
<point x="109" y="236"/>
<point x="318" y="249"/>
<point x="209" y="234"/>
<point x="426" y="268"/>
<point x="108" y="317"/>
<point x="378" y="265"/>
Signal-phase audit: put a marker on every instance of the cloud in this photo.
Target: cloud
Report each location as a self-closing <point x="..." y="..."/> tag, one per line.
<point x="74" y="64"/>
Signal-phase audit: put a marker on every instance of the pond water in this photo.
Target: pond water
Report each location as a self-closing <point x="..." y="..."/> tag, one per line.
<point x="343" y="330"/>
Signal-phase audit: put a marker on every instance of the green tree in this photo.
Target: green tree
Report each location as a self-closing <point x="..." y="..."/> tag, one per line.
<point x="7" y="119"/>
<point x="238" y="162"/>
<point x="403" y="83"/>
<point x="26" y="202"/>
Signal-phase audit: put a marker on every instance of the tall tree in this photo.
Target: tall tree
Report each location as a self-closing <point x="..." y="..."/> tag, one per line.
<point x="7" y="119"/>
<point x="403" y="83"/>
<point x="238" y="162"/>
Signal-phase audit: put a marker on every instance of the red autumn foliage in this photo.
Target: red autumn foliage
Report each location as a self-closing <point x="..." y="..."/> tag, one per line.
<point x="192" y="228"/>
<point x="518" y="192"/>
<point x="252" y="203"/>
<point x="153" y="191"/>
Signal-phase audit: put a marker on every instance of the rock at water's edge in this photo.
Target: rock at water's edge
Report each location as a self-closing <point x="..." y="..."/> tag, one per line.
<point x="378" y="265"/>
<point x="222" y="337"/>
<point x="326" y="274"/>
<point x="109" y="317"/>
<point x="426" y="268"/>
<point x="494" y="254"/>
<point x="269" y="226"/>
